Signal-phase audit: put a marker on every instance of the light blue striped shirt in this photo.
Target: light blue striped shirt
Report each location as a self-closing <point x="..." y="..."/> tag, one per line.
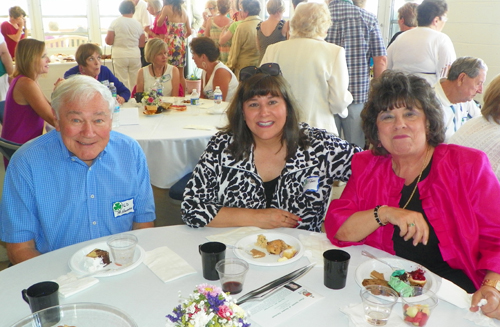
<point x="56" y="199"/>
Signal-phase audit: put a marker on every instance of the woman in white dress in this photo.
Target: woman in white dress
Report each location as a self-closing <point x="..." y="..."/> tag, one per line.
<point x="126" y="36"/>
<point x="215" y="73"/>
<point x="156" y="53"/>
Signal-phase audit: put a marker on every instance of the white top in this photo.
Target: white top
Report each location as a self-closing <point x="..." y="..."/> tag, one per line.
<point x="422" y="51"/>
<point x="149" y="80"/>
<point x="482" y="134"/>
<point x="142" y="15"/>
<point x="318" y="76"/>
<point x="127" y="34"/>
<point x="455" y="114"/>
<point x="209" y="88"/>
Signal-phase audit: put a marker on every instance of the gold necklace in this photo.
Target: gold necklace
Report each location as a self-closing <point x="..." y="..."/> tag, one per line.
<point x="418" y="180"/>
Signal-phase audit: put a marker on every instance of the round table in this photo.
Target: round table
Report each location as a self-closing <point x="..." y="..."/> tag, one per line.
<point x="148" y="300"/>
<point x="173" y="141"/>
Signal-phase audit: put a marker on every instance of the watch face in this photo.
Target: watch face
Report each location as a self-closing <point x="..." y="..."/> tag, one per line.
<point x="492" y="283"/>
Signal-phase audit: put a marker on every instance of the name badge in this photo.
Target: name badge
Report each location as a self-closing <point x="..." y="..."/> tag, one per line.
<point x="123" y="207"/>
<point x="311" y="184"/>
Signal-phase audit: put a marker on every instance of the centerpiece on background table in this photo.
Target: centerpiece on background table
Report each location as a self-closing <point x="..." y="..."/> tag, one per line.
<point x="152" y="99"/>
<point x="208" y="306"/>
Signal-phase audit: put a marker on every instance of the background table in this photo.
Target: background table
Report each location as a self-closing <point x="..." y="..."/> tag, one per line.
<point x="171" y="150"/>
<point x="148" y="300"/>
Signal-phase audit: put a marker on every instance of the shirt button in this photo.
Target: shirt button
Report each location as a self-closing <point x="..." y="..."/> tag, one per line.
<point x="92" y="196"/>
<point x="94" y="223"/>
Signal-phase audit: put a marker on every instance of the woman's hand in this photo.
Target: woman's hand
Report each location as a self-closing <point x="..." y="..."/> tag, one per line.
<point x="411" y="223"/>
<point x="120" y="99"/>
<point x="491" y="295"/>
<point x="275" y="218"/>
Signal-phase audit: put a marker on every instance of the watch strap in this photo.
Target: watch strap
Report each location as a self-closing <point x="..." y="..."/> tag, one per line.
<point x="492" y="282"/>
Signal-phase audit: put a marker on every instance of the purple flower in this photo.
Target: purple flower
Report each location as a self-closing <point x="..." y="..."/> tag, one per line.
<point x="178" y="314"/>
<point x="215" y="302"/>
<point x="244" y="324"/>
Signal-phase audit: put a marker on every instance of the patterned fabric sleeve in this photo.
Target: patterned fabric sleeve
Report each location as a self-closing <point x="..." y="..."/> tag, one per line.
<point x="200" y="204"/>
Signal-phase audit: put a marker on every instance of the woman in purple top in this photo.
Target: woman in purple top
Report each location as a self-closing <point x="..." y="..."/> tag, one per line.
<point x="26" y="108"/>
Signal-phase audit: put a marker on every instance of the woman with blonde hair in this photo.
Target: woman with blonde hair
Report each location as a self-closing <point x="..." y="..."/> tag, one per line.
<point x="26" y="108"/>
<point x="209" y="12"/>
<point x="273" y="29"/>
<point x="216" y="25"/>
<point x="156" y="53"/>
<point x="325" y="93"/>
<point x="483" y="133"/>
<point x="178" y="30"/>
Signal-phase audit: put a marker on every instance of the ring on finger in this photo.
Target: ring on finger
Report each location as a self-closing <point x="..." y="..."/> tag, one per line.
<point x="411" y="225"/>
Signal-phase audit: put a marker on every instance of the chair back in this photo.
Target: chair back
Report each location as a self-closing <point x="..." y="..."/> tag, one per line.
<point x="2" y="108"/>
<point x="7" y="148"/>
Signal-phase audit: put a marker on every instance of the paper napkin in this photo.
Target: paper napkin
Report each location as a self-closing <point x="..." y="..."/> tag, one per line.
<point x="315" y="244"/>
<point x="232" y="237"/>
<point x="167" y="265"/>
<point x="199" y="127"/>
<point x="70" y="284"/>
<point x="455" y="295"/>
<point x="356" y="315"/>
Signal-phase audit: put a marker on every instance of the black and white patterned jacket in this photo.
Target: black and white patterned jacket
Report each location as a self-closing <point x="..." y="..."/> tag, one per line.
<point x="220" y="181"/>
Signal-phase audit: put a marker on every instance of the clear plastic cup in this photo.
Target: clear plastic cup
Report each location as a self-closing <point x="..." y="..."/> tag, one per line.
<point x="232" y="274"/>
<point x="122" y="248"/>
<point x="378" y="302"/>
<point x="418" y="308"/>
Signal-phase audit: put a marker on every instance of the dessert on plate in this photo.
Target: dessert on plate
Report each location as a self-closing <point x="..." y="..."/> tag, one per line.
<point x="96" y="260"/>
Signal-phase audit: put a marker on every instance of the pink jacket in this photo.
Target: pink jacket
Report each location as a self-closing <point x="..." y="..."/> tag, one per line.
<point x="460" y="197"/>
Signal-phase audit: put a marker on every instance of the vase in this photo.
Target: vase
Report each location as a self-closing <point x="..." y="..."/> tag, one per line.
<point x="192" y="84"/>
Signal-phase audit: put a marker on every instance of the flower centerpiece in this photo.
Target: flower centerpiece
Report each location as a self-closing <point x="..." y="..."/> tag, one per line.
<point x="208" y="306"/>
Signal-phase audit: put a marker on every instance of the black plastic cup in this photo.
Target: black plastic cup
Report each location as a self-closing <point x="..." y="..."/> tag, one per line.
<point x="336" y="263"/>
<point x="211" y="253"/>
<point x="41" y="296"/>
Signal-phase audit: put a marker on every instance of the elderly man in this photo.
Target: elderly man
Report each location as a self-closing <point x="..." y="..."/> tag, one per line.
<point x="357" y="31"/>
<point x="456" y="93"/>
<point x="78" y="182"/>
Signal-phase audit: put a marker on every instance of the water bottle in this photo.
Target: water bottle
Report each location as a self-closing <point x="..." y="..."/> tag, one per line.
<point x="112" y="88"/>
<point x="217" y="97"/>
<point x="105" y="83"/>
<point x="195" y="98"/>
<point x="158" y="86"/>
<point x="116" y="115"/>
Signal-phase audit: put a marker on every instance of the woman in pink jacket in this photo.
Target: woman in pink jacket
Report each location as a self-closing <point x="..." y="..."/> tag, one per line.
<point x="422" y="200"/>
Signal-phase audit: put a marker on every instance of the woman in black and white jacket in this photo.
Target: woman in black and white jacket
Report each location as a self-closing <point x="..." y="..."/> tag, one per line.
<point x="265" y="169"/>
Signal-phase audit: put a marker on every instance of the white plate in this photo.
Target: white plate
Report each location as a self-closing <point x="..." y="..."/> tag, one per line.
<point x="363" y="271"/>
<point x="248" y="242"/>
<point x="76" y="263"/>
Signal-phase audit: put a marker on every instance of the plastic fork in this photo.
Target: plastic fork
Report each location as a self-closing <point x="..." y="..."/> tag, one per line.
<point x="369" y="255"/>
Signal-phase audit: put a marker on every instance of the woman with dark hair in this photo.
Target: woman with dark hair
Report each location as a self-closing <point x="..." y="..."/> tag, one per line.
<point x="215" y="73"/>
<point x="178" y="30"/>
<point x="265" y="169"/>
<point x="126" y="36"/>
<point x="88" y="58"/>
<point x="412" y="196"/>
<point x="425" y="50"/>
<point x="26" y="108"/>
<point x="244" y="51"/>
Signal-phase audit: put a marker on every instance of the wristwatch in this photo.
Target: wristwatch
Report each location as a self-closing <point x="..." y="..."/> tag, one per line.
<point x="492" y="282"/>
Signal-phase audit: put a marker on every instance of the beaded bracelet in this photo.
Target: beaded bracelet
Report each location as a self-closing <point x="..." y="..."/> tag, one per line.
<point x="375" y="213"/>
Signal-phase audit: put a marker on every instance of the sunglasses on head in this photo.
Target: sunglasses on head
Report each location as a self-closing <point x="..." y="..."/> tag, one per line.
<point x="271" y="69"/>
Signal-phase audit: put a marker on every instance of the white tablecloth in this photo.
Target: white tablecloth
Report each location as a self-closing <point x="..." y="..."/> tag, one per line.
<point x="148" y="300"/>
<point x="172" y="150"/>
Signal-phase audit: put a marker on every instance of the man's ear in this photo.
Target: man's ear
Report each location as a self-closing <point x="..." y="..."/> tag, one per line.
<point x="56" y="121"/>
<point x="461" y="78"/>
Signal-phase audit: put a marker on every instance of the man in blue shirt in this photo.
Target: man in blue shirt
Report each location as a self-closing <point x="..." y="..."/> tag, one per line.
<point x="79" y="182"/>
<point x="357" y="31"/>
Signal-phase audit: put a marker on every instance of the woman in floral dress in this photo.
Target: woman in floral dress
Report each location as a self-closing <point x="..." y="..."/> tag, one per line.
<point x="215" y="27"/>
<point x="178" y="30"/>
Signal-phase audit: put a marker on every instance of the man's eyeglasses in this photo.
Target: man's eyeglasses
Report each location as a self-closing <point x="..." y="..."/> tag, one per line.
<point x="272" y="69"/>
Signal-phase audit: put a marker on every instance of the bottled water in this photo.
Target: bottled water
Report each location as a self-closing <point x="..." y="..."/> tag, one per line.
<point x="112" y="88"/>
<point x="116" y="115"/>
<point x="195" y="98"/>
<point x="217" y="96"/>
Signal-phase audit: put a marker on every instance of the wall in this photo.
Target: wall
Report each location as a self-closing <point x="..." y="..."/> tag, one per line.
<point x="474" y="28"/>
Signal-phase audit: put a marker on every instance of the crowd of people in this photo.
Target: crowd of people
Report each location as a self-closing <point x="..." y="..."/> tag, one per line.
<point x="314" y="100"/>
